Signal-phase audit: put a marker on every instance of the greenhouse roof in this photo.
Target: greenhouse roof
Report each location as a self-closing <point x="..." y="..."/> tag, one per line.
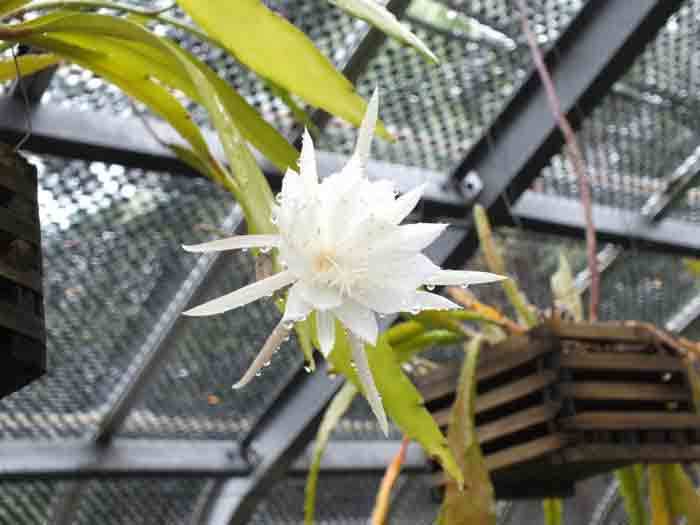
<point x="135" y="420"/>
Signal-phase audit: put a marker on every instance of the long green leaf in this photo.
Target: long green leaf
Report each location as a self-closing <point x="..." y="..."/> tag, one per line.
<point x="402" y="402"/>
<point x="255" y="195"/>
<point x="660" y="501"/>
<point x="630" y="479"/>
<point x="475" y="504"/>
<point x="121" y="40"/>
<point x="28" y="64"/>
<point x="278" y="51"/>
<point x="7" y="6"/>
<point x="377" y="15"/>
<point x="337" y="408"/>
<point x="683" y="499"/>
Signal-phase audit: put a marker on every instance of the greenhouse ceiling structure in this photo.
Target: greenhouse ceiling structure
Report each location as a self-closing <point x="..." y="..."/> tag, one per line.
<point x="135" y="421"/>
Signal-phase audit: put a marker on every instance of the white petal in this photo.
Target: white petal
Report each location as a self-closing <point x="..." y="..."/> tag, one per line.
<point x="364" y="138"/>
<point x="325" y="329"/>
<point x="370" y="389"/>
<point x="296" y="308"/>
<point x="384" y="300"/>
<point x="405" y="204"/>
<point x="234" y="243"/>
<point x="359" y="319"/>
<point x="278" y="335"/>
<point x="401" y="271"/>
<point x="243" y="296"/>
<point x="307" y="162"/>
<point x="432" y="301"/>
<point x="463" y="277"/>
<point x="320" y="297"/>
<point x="410" y="238"/>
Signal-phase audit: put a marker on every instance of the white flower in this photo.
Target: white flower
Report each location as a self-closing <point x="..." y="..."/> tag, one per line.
<point x="345" y="256"/>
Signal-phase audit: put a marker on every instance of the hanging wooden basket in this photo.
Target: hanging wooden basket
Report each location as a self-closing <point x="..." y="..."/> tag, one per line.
<point x="567" y="401"/>
<point x="22" y="338"/>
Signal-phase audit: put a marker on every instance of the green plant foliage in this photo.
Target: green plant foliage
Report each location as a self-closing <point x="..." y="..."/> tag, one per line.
<point x="7" y="6"/>
<point x="496" y="264"/>
<point x="564" y="289"/>
<point x="402" y="402"/>
<point x="121" y="50"/>
<point x="377" y="15"/>
<point x="279" y="52"/>
<point x="475" y="504"/>
<point x="28" y="64"/>
<point x="335" y="411"/>
<point x="631" y="488"/>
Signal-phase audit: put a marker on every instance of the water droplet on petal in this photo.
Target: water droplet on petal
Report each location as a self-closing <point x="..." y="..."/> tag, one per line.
<point x="278" y="198"/>
<point x="430" y="287"/>
<point x="258" y="374"/>
<point x="307" y="369"/>
<point x="265" y="249"/>
<point x="244" y="250"/>
<point x="465" y="286"/>
<point x="288" y="325"/>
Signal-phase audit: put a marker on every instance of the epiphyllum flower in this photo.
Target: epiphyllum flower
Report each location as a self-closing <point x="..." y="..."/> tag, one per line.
<point x="344" y="256"/>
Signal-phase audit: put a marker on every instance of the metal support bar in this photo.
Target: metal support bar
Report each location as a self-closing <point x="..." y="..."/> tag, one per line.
<point x="556" y="215"/>
<point x="597" y="47"/>
<point x="24" y="460"/>
<point x="685" y="316"/>
<point x="674" y="188"/>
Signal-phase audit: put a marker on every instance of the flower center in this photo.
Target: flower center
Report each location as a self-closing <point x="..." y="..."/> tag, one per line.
<point x="323" y="262"/>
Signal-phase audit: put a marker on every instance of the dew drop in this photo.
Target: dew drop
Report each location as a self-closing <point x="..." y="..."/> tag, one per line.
<point x="244" y="250"/>
<point x="258" y="374"/>
<point x="288" y="325"/>
<point x="464" y="286"/>
<point x="265" y="249"/>
<point x="278" y="198"/>
<point x="307" y="369"/>
<point x="430" y="287"/>
<point x="267" y="363"/>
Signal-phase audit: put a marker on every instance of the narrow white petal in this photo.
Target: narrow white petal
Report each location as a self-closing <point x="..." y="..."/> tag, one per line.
<point x="325" y="329"/>
<point x="296" y="308"/>
<point x="401" y="271"/>
<point x="319" y="296"/>
<point x="463" y="277"/>
<point x="234" y="243"/>
<point x="405" y="204"/>
<point x="364" y="138"/>
<point x="432" y="301"/>
<point x="410" y="238"/>
<point x="384" y="300"/>
<point x="359" y="319"/>
<point x="307" y="162"/>
<point x="243" y="296"/>
<point x="278" y="335"/>
<point x="370" y="389"/>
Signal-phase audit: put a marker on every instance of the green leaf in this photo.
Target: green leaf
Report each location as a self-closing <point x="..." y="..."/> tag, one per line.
<point x="660" y="500"/>
<point x="124" y="41"/>
<point x="255" y="195"/>
<point x="553" y="511"/>
<point x="279" y="52"/>
<point x="630" y="479"/>
<point x="402" y="402"/>
<point x="564" y="289"/>
<point x="475" y="504"/>
<point x="335" y="411"/>
<point x="7" y="6"/>
<point x="683" y="500"/>
<point x="496" y="264"/>
<point x="380" y="17"/>
<point x="28" y="64"/>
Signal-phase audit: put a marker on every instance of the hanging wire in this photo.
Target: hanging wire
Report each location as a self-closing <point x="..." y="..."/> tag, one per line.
<point x="25" y="98"/>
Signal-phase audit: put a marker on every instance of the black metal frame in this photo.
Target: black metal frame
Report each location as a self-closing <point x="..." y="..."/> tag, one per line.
<point x="592" y="53"/>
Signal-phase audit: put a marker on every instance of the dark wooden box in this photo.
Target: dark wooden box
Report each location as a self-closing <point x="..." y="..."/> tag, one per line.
<point x="22" y="339"/>
<point x="570" y="400"/>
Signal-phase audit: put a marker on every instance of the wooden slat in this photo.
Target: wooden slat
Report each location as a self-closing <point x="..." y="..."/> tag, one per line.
<point x="504" y="361"/>
<point x="525" y="452"/>
<point x="603" y="453"/>
<point x="517" y="422"/>
<point x="16" y="320"/>
<point x="600" y="332"/>
<point x="631" y="421"/>
<point x="631" y="361"/>
<point x="603" y="390"/>
<point x="514" y="390"/>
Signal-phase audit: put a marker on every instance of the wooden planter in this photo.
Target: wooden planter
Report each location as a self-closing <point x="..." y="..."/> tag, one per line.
<point x="571" y="400"/>
<point x="22" y="339"/>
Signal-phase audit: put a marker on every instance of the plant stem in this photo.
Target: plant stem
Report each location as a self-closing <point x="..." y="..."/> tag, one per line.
<point x="383" y="503"/>
<point x="573" y="152"/>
